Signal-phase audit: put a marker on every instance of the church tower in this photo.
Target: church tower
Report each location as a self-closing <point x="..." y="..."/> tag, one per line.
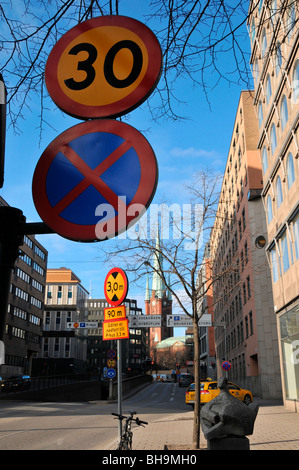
<point x="158" y="301"/>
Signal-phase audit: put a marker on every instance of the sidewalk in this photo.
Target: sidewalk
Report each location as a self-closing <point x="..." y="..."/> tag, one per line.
<point x="275" y="429"/>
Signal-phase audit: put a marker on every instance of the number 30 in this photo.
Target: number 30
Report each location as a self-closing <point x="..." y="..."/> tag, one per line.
<point x="87" y="65"/>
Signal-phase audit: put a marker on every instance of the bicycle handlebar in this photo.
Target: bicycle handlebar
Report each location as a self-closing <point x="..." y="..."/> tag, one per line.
<point x="137" y="420"/>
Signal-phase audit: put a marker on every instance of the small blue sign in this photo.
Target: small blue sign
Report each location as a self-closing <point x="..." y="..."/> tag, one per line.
<point x="82" y="325"/>
<point x="111" y="373"/>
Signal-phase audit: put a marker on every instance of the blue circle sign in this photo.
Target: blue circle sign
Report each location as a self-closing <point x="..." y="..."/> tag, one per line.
<point x="111" y="373"/>
<point x="94" y="180"/>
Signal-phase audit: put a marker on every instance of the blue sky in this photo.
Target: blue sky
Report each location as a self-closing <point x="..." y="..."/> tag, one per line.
<point x="182" y="148"/>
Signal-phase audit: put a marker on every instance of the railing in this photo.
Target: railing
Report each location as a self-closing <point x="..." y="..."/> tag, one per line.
<point x="41" y="382"/>
<point x="18" y="384"/>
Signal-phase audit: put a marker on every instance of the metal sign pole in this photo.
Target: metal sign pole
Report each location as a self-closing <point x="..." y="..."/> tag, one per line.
<point x="119" y="385"/>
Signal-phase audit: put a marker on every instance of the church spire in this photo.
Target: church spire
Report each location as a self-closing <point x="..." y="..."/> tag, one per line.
<point x="147" y="293"/>
<point x="158" y="284"/>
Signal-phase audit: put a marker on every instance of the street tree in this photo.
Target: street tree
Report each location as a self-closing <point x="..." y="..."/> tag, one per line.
<point x="203" y="43"/>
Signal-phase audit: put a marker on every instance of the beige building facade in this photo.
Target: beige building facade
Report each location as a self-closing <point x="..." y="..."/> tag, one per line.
<point x="242" y="290"/>
<point x="63" y="349"/>
<point x="273" y="29"/>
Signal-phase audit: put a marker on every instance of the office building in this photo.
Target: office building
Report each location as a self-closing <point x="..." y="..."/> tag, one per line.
<point x="25" y="307"/>
<point x="242" y="289"/>
<point x="205" y="307"/>
<point x="64" y="350"/>
<point x="274" y="38"/>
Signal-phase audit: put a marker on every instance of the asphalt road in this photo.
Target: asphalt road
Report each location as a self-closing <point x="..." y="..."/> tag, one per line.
<point x="81" y="426"/>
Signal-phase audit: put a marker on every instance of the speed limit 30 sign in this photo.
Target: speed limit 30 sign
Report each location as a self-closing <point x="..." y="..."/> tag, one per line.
<point x="103" y="67"/>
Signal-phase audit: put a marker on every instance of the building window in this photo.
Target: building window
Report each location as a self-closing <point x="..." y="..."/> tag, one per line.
<point x="58" y="317"/>
<point x="256" y="71"/>
<point x="269" y="209"/>
<point x="295" y="83"/>
<point x="244" y="293"/>
<point x="274" y="263"/>
<point x="260" y="114"/>
<point x="284" y="112"/>
<point x="296" y="235"/>
<point x="248" y="287"/>
<point x="264" y="160"/>
<point x="264" y="42"/>
<point x="279" y="196"/>
<point x="291" y="19"/>
<point x="290" y="170"/>
<point x="285" y="252"/>
<point x="22" y="294"/>
<point x="268" y="89"/>
<point x="246" y="327"/>
<point x="70" y="295"/>
<point x="243" y="219"/>
<point x="251" y="323"/>
<point x="59" y="295"/>
<point x="252" y="30"/>
<point x="289" y="332"/>
<point x="278" y="59"/>
<point x="273" y="138"/>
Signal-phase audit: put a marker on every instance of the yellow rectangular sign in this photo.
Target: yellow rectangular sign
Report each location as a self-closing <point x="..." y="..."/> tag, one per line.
<point x="115" y="313"/>
<point x="116" y="329"/>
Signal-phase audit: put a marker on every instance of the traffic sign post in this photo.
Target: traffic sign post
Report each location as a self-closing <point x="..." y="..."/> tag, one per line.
<point x="116" y="288"/>
<point x="2" y="128"/>
<point x="103" y="67"/>
<point x="94" y="180"/>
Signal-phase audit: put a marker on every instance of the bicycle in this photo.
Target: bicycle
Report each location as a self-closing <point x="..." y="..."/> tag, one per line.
<point x="125" y="442"/>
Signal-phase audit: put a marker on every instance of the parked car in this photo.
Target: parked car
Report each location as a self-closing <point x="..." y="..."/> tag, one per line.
<point x="16" y="383"/>
<point x="210" y="390"/>
<point x="185" y="379"/>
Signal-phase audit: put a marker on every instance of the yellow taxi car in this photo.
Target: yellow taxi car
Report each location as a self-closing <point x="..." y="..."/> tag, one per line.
<point x="210" y="390"/>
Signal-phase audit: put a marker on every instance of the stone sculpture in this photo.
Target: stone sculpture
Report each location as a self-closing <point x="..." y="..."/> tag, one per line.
<point x="226" y="421"/>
